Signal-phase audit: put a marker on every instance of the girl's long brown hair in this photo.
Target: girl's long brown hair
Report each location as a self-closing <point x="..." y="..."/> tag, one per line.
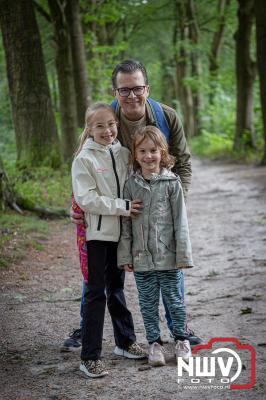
<point x="88" y="116"/>
<point x="153" y="133"/>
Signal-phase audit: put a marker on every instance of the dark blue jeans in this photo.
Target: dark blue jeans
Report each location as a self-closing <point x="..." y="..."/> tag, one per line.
<point x="181" y="290"/>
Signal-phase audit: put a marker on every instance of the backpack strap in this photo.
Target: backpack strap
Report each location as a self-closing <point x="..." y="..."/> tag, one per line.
<point x="115" y="105"/>
<point x="158" y="115"/>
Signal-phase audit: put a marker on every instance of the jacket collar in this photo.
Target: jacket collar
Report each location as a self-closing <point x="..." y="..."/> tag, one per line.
<point x="90" y="144"/>
<point x="164" y="175"/>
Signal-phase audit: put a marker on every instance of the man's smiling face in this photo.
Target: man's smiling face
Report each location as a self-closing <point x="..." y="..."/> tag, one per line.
<point x="132" y="106"/>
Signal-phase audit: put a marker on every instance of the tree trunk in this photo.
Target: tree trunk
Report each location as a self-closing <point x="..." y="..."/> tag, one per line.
<point x="196" y="67"/>
<point x="222" y="8"/>
<point x="7" y="196"/>
<point x="245" y="75"/>
<point x="260" y="14"/>
<point x="78" y="60"/>
<point x="65" y="78"/>
<point x="33" y="118"/>
<point x="182" y="67"/>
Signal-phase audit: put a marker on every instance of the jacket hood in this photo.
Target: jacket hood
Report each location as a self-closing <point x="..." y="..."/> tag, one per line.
<point x="90" y="144"/>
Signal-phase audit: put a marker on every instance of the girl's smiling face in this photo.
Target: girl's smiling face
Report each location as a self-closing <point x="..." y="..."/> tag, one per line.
<point x="103" y="127"/>
<point x="148" y="155"/>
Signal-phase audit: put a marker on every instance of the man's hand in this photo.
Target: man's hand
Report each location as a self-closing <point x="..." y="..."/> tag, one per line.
<point x="136" y="207"/>
<point x="128" y="267"/>
<point x="77" y="218"/>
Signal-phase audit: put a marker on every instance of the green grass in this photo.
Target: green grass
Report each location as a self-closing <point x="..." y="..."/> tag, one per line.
<point x="44" y="187"/>
<point x="220" y="147"/>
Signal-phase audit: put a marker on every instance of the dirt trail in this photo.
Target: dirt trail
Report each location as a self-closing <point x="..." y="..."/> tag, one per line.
<point x="39" y="301"/>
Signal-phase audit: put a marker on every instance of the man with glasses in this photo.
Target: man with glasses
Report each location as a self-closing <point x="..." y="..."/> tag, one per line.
<point x="133" y="110"/>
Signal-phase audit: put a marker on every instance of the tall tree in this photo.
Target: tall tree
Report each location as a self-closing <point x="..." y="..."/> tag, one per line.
<point x="260" y="14"/>
<point x="33" y="118"/>
<point x="63" y="60"/>
<point x="245" y="76"/>
<point x="216" y="45"/>
<point x="78" y="59"/>
<point x="196" y="67"/>
<point x="180" y="44"/>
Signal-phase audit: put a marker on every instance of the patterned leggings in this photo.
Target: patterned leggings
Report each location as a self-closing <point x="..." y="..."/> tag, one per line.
<point x="149" y="285"/>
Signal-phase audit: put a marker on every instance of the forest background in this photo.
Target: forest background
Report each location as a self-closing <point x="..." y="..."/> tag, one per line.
<point x="204" y="58"/>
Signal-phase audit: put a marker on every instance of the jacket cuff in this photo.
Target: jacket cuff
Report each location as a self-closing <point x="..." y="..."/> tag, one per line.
<point x="123" y="261"/>
<point x="127" y="208"/>
<point x="184" y="265"/>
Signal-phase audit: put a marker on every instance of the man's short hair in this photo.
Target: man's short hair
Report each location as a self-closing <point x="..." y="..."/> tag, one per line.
<point x="129" y="67"/>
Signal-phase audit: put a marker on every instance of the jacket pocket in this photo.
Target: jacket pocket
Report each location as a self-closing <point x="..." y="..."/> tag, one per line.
<point x="169" y="244"/>
<point x="99" y="223"/>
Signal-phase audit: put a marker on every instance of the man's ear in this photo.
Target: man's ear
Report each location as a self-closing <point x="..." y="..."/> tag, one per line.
<point x="148" y="90"/>
<point x="113" y="92"/>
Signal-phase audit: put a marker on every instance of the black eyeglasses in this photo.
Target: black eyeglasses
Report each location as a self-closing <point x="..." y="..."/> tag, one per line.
<point x="125" y="91"/>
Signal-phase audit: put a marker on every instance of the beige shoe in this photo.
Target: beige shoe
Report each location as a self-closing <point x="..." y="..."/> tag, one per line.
<point x="182" y="349"/>
<point x="93" y="369"/>
<point x="134" y="352"/>
<point x="156" y="356"/>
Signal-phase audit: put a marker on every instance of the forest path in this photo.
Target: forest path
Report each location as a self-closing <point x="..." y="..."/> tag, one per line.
<point x="225" y="297"/>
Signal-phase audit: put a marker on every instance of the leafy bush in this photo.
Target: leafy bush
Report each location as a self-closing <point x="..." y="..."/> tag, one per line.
<point x="44" y="187"/>
<point x="220" y="147"/>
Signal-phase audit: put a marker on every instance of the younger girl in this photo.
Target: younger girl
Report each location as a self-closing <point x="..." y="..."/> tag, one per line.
<point x="156" y="244"/>
<point x="99" y="171"/>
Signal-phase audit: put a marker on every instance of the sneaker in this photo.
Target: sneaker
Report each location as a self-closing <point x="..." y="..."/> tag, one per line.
<point x="93" y="369"/>
<point x="73" y="342"/>
<point x="182" y="349"/>
<point x="193" y="339"/>
<point x="156" y="356"/>
<point x="134" y="351"/>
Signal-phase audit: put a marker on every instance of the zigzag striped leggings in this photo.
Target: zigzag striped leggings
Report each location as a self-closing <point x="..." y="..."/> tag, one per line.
<point x="149" y="285"/>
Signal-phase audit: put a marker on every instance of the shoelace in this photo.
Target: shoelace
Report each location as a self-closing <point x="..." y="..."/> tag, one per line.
<point x="163" y="349"/>
<point x="183" y="346"/>
<point x="190" y="331"/>
<point x="75" y="333"/>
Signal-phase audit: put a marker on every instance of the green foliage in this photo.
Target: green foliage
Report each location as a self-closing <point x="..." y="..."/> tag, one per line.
<point x="43" y="187"/>
<point x="211" y="146"/>
<point x="220" y="147"/>
<point x="143" y="29"/>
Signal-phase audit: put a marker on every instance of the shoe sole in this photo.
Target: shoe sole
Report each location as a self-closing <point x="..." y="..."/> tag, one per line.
<point x="156" y="363"/>
<point x="124" y="353"/>
<point x="65" y="349"/>
<point x="86" y="372"/>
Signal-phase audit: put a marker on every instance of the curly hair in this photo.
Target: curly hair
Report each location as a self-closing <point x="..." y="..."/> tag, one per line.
<point x="153" y="133"/>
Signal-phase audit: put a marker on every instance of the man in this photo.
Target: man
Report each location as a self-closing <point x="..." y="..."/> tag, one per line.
<point x="131" y="89"/>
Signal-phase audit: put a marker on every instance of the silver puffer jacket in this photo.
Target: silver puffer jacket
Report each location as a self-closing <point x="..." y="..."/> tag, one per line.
<point x="158" y="239"/>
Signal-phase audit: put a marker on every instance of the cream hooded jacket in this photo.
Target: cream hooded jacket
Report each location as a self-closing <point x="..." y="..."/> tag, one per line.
<point x="98" y="177"/>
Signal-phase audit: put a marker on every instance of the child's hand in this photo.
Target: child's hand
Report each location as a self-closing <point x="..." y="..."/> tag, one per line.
<point x="128" y="267"/>
<point x="77" y="218"/>
<point x="136" y="207"/>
